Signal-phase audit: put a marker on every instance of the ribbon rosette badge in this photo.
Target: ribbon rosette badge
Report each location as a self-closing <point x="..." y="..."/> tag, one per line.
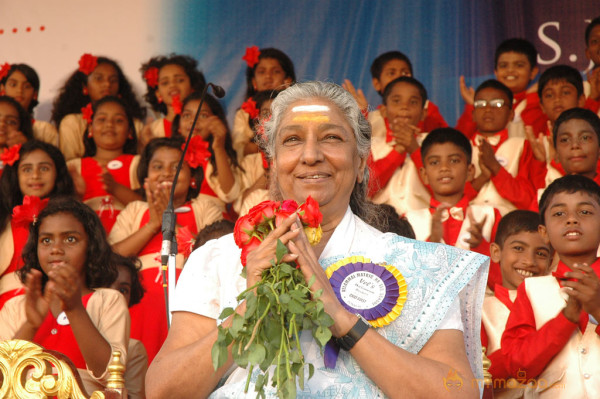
<point x="278" y="307"/>
<point x="375" y="291"/>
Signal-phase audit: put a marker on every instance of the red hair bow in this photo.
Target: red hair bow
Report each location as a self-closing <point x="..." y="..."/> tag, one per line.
<point x="198" y="153"/>
<point x="4" y="70"/>
<point x="25" y="214"/>
<point x="87" y="112"/>
<point x="87" y="63"/>
<point x="251" y="56"/>
<point x="151" y="76"/>
<point x="250" y="107"/>
<point x="10" y="155"/>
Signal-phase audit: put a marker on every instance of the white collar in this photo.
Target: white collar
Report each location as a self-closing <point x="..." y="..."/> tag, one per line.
<point x="342" y="237"/>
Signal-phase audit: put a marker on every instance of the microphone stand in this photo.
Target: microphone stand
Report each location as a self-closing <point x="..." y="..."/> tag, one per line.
<point x="168" y="250"/>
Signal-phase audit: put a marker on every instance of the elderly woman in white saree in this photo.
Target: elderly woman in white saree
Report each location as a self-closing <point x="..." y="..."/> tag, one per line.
<point x="319" y="143"/>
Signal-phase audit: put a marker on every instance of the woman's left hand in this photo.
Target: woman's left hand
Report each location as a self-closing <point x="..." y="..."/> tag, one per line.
<point x="309" y="265"/>
<point x="65" y="284"/>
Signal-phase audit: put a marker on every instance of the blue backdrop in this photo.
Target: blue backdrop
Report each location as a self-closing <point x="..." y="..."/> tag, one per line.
<point x="333" y="40"/>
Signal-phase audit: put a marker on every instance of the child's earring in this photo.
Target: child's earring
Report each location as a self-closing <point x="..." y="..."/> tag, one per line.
<point x="159" y="100"/>
<point x="89" y="133"/>
<point x="193" y="183"/>
<point x="85" y="91"/>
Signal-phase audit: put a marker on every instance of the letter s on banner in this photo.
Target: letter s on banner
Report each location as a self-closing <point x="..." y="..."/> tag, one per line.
<point x="548" y="41"/>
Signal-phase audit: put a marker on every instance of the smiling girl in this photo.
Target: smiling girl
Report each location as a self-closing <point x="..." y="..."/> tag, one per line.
<point x="67" y="260"/>
<point x="273" y="70"/>
<point x="106" y="177"/>
<point x="96" y="77"/>
<point x="38" y="171"/>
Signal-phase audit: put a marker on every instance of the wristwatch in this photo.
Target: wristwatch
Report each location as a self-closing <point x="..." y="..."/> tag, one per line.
<point x="348" y="341"/>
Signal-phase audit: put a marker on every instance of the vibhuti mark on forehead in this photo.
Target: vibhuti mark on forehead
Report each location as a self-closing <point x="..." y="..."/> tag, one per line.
<point x="311" y="113"/>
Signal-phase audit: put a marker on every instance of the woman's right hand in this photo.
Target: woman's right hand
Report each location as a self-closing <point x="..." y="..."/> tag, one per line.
<point x="260" y="258"/>
<point x="36" y="304"/>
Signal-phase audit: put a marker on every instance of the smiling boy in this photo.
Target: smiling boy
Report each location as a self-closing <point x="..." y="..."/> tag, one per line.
<point x="521" y="253"/>
<point x="515" y="66"/>
<point x="552" y="332"/>
<point x="577" y="136"/>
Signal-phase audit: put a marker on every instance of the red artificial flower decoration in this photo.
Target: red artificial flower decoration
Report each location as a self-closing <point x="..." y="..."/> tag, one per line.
<point x="87" y="63"/>
<point x="4" y="70"/>
<point x="10" y="155"/>
<point x="151" y="76"/>
<point x="251" y="56"/>
<point x="251" y="229"/>
<point x="185" y="241"/>
<point x="24" y="215"/>
<point x="198" y="153"/>
<point x="250" y="107"/>
<point x="176" y="104"/>
<point x="87" y="113"/>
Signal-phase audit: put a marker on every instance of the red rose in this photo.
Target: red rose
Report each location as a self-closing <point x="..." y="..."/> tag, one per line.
<point x="309" y="213"/>
<point x="198" y="153"/>
<point x="10" y="155"/>
<point x="289" y="205"/>
<point x="242" y="232"/>
<point x="250" y="107"/>
<point x="246" y="249"/>
<point x="4" y="70"/>
<point x="264" y="211"/>
<point x="281" y="216"/>
<point x="251" y="56"/>
<point x="87" y="113"/>
<point x="87" y="63"/>
<point x="151" y="76"/>
<point x="176" y="104"/>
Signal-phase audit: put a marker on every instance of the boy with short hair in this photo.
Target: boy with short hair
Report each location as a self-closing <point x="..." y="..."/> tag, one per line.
<point x="504" y="165"/>
<point x="392" y="65"/>
<point x="552" y="332"/>
<point x="521" y="253"/>
<point x="515" y="63"/>
<point x="576" y="133"/>
<point x="449" y="218"/>
<point x="395" y="178"/>
<point x="560" y="88"/>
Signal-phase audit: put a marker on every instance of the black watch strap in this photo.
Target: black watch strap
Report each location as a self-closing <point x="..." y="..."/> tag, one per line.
<point x="348" y="341"/>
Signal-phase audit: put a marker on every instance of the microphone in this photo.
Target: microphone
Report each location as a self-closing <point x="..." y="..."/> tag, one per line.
<point x="217" y="90"/>
<point x="169" y="219"/>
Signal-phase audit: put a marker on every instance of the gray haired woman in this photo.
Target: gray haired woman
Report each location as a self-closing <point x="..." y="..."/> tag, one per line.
<point x="319" y="142"/>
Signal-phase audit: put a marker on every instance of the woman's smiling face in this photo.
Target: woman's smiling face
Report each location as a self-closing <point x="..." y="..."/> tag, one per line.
<point x="316" y="154"/>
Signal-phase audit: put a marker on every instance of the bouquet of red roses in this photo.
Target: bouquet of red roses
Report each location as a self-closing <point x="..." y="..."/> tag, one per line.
<point x="278" y="307"/>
